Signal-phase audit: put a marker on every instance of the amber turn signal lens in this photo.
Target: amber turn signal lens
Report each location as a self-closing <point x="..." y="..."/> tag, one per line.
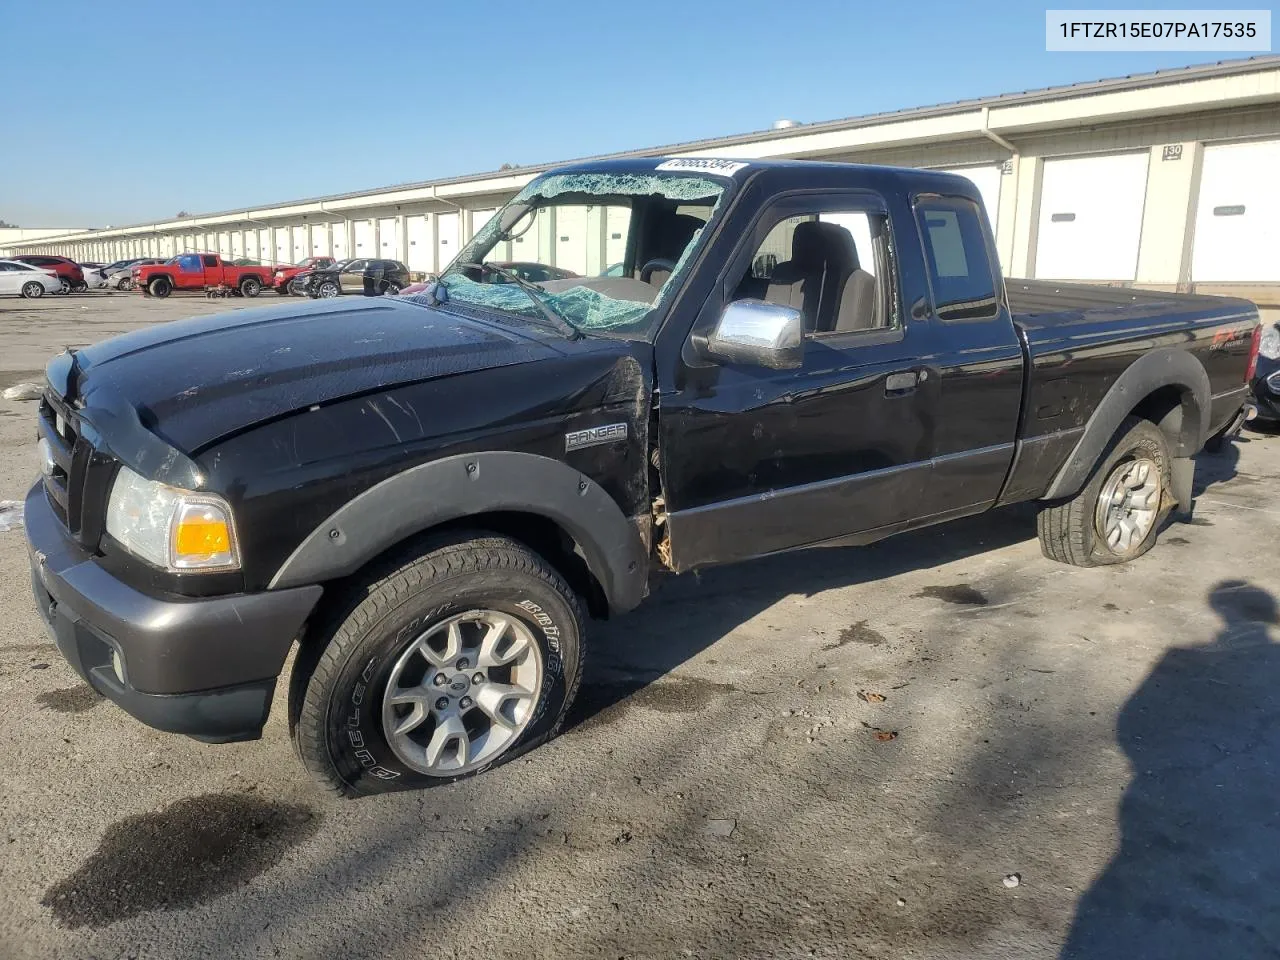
<point x="202" y="537"/>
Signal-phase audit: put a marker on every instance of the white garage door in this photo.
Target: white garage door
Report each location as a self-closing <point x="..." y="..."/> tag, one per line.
<point x="237" y="245"/>
<point x="987" y="179"/>
<point x="418" y="256"/>
<point x="338" y="240"/>
<point x="282" y="245"/>
<point x="479" y="218"/>
<point x="571" y="239"/>
<point x="446" y="239"/>
<point x="224" y="246"/>
<point x="319" y="239"/>
<point x="300" y="244"/>
<point x="253" y="244"/>
<point x="365" y="247"/>
<point x="1238" y="214"/>
<point x="1091" y="217"/>
<point x="389" y="239"/>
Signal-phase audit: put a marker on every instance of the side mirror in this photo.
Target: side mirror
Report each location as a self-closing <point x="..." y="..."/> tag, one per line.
<point x="764" y="334"/>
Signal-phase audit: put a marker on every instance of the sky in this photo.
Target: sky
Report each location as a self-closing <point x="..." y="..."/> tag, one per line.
<point x="135" y="111"/>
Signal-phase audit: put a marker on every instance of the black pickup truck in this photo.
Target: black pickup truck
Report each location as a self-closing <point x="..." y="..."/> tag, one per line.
<point x="430" y="494"/>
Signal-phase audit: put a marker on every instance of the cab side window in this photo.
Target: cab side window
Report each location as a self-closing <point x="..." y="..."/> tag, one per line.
<point x="831" y="265"/>
<point x="189" y="263"/>
<point x="955" y="246"/>
<point x="210" y="261"/>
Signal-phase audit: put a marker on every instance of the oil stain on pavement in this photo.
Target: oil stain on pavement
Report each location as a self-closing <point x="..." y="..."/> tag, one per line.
<point x="71" y="700"/>
<point x="186" y="854"/>
<point x="858" y="633"/>
<point x="956" y="593"/>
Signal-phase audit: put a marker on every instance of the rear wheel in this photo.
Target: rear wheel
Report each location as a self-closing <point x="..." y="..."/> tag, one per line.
<point x="389" y="289"/>
<point x="33" y="290"/>
<point x="160" y="287"/>
<point x="79" y="287"/>
<point x="442" y="663"/>
<point x="65" y="284"/>
<point x="250" y="287"/>
<point x="1116" y="515"/>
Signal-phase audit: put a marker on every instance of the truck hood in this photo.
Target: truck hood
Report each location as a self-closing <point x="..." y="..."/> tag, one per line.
<point x="195" y="381"/>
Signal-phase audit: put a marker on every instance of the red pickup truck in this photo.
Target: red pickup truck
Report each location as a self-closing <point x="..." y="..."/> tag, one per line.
<point x="282" y="279"/>
<point x="199" y="271"/>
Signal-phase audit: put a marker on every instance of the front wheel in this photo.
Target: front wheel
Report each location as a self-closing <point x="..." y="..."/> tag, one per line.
<point x="250" y="287"/>
<point x="1116" y="515"/>
<point x="327" y="290"/>
<point x="442" y="663"/>
<point x="33" y="290"/>
<point x="66" y="285"/>
<point x="389" y="289"/>
<point x="160" y="287"/>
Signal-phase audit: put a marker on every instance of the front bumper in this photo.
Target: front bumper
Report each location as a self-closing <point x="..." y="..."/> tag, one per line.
<point x="205" y="667"/>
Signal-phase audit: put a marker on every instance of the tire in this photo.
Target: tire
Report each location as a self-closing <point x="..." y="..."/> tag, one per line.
<point x="160" y="287"/>
<point x="367" y="641"/>
<point x="66" y="285"/>
<point x="327" y="290"/>
<point x="1076" y="530"/>
<point x="79" y="287"/>
<point x="389" y="289"/>
<point x="125" y="285"/>
<point x="33" y="290"/>
<point x="250" y="287"/>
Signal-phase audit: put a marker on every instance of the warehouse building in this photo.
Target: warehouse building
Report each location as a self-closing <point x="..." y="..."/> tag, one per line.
<point x="1168" y="180"/>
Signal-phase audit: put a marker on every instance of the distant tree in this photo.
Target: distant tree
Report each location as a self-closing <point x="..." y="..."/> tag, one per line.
<point x="507" y="166"/>
<point x="181" y="214"/>
<point x="6" y="223"/>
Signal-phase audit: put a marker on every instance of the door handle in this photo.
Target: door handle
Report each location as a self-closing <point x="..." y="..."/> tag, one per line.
<point x="900" y="384"/>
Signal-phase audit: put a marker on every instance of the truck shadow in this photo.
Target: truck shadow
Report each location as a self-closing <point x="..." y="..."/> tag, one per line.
<point x="1215" y="468"/>
<point x="1199" y="855"/>
<point x="688" y="613"/>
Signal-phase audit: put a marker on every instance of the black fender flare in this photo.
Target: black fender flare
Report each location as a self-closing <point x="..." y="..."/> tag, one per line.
<point x="1164" y="367"/>
<point x="466" y="485"/>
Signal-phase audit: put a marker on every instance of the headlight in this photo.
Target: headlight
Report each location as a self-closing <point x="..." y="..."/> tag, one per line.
<point x="1269" y="346"/>
<point x="1273" y="382"/>
<point x="171" y="528"/>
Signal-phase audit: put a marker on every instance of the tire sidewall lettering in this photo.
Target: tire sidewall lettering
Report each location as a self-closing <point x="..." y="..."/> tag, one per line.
<point x="358" y="743"/>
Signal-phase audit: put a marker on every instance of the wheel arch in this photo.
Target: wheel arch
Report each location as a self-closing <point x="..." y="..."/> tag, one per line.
<point x="1169" y="387"/>
<point x="543" y="503"/>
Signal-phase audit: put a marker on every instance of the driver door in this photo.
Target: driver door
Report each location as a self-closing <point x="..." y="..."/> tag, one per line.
<point x="11" y="278"/>
<point x="758" y="460"/>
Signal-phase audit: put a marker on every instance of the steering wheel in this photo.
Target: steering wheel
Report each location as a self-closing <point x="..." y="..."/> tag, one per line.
<point x="659" y="264"/>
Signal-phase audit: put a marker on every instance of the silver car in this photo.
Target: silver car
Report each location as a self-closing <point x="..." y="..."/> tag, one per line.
<point x="24" y="280"/>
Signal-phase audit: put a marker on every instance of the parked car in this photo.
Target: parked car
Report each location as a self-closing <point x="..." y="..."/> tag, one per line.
<point x="70" y="272"/>
<point x="1266" y="380"/>
<point x="198" y="271"/>
<point x="122" y="279"/>
<point x="282" y="280"/>
<point x="23" y="280"/>
<point x="372" y="278"/>
<point x="430" y="494"/>
<point x="94" y="277"/>
<point x="119" y="266"/>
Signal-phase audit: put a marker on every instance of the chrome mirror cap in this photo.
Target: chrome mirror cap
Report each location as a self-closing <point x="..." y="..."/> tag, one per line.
<point x="765" y="334"/>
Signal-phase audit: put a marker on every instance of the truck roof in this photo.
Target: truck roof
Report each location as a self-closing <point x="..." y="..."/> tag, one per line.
<point x="804" y="172"/>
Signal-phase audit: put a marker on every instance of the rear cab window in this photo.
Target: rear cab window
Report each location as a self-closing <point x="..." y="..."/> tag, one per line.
<point x="961" y="276"/>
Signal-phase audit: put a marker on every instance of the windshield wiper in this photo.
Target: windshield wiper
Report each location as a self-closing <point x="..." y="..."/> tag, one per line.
<point x="535" y="292"/>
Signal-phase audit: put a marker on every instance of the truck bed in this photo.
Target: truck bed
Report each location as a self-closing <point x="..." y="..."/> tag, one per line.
<point x="1079" y="338"/>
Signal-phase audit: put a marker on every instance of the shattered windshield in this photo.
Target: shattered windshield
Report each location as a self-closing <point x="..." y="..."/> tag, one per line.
<point x="619" y="243"/>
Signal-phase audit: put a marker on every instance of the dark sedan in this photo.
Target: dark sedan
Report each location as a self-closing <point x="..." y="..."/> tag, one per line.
<point x="1266" y="379"/>
<point x="372" y="278"/>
